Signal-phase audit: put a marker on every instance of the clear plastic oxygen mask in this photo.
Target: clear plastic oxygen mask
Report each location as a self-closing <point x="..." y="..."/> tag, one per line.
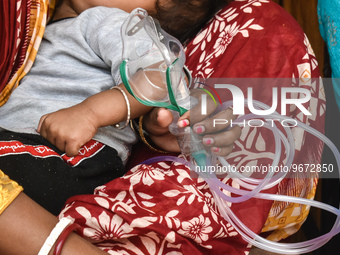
<point x="153" y="64"/>
<point x="153" y="70"/>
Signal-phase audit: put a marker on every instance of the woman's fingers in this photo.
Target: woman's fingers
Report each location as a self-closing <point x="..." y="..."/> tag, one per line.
<point x="222" y="143"/>
<point x="218" y="133"/>
<point x="216" y="123"/>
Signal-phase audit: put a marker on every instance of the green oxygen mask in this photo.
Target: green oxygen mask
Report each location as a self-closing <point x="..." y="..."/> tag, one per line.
<point x="153" y="68"/>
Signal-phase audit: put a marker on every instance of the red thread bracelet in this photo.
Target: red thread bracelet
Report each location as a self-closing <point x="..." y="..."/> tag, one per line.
<point x="62" y="238"/>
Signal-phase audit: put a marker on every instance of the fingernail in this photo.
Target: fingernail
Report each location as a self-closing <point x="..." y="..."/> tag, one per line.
<point x="183" y="123"/>
<point x="208" y="141"/>
<point x="216" y="149"/>
<point x="199" y="129"/>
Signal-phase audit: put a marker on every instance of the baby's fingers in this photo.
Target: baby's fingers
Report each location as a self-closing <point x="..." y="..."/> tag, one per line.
<point x="72" y="148"/>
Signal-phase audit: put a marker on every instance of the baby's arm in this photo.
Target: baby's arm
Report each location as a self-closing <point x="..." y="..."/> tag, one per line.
<point x="70" y="128"/>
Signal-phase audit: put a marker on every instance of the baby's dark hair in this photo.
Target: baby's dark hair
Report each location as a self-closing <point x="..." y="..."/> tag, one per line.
<point x="185" y="18"/>
<point x="182" y="18"/>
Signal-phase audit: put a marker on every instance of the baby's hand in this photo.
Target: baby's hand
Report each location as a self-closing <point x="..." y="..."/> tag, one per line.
<point x="68" y="129"/>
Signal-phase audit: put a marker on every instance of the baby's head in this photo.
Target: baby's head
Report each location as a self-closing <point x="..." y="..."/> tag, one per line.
<point x="184" y="18"/>
<point x="180" y="18"/>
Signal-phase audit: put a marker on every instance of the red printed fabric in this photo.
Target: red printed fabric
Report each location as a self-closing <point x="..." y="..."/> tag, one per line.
<point x="14" y="20"/>
<point x="155" y="209"/>
<point x="161" y="208"/>
<point x="258" y="39"/>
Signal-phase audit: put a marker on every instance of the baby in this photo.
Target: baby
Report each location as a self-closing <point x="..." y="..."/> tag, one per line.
<point x="66" y="104"/>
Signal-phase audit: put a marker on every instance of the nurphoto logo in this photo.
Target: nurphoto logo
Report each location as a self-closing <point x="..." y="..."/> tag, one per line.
<point x="239" y="101"/>
<point x="289" y="96"/>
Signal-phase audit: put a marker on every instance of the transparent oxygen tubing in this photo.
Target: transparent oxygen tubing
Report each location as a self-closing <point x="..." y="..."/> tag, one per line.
<point x="249" y="183"/>
<point x="256" y="186"/>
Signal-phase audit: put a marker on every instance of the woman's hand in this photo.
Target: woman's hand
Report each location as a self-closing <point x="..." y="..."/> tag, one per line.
<point x="221" y="142"/>
<point x="69" y="129"/>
